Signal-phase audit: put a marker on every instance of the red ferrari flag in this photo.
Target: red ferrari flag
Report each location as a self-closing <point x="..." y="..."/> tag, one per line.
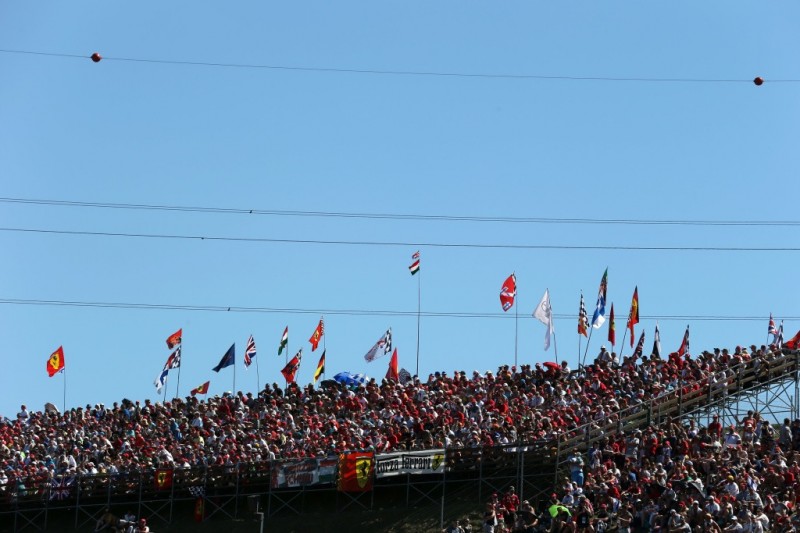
<point x="393" y="372"/>
<point x="174" y="339"/>
<point x="633" y="316"/>
<point x="290" y="370"/>
<point x="793" y="342"/>
<point x="163" y="478"/>
<point x="202" y="389"/>
<point x="356" y="471"/>
<point x="612" y="328"/>
<point x="508" y="292"/>
<point x="55" y="363"/>
<point x="317" y="335"/>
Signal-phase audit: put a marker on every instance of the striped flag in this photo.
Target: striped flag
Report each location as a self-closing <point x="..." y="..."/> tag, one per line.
<point x="284" y="340"/>
<point x="320" y="367"/>
<point x="249" y="351"/>
<point x="612" y="328"/>
<point x="583" y="320"/>
<point x="633" y="316"/>
<point x="414" y="266"/>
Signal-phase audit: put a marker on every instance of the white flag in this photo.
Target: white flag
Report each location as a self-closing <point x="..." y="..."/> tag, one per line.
<point x="381" y="348"/>
<point x="544" y="313"/>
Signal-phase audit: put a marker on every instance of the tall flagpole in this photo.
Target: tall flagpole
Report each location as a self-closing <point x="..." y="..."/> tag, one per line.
<point x="555" y="343"/>
<point x="516" y="324"/>
<point x="325" y="351"/>
<point x="258" y="378"/>
<point x="178" y="384"/>
<point x="64" y="371"/>
<point x="234" y="372"/>
<point x="591" y="328"/>
<point x="419" y="310"/>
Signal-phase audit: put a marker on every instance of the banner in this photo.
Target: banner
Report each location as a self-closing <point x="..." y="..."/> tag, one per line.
<point x="356" y="471"/>
<point x="163" y="478"/>
<point x="289" y="474"/>
<point x="425" y="462"/>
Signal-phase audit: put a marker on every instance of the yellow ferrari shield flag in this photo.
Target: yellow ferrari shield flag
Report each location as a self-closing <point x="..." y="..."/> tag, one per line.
<point x="55" y="363"/>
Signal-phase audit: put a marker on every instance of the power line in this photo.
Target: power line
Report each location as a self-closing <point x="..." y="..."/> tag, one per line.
<point x="394" y="72"/>
<point x="393" y="216"/>
<point x="401" y="243"/>
<point x="344" y="312"/>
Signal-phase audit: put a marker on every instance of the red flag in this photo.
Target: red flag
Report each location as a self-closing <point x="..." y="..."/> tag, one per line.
<point x="202" y="389"/>
<point x="356" y="471"/>
<point x="317" y="335"/>
<point x="508" y="292"/>
<point x="290" y="370"/>
<point x="612" y="328"/>
<point x="633" y="316"/>
<point x="174" y="339"/>
<point x="684" y="349"/>
<point x="793" y="342"/>
<point x="55" y="363"/>
<point x="394" y="370"/>
<point x="163" y="478"/>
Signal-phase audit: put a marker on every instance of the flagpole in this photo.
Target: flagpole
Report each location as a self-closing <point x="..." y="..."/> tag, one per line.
<point x="589" y="340"/>
<point x="178" y="384"/>
<point x="555" y="343"/>
<point x="516" y="325"/>
<point x="419" y="309"/>
<point x="622" y="346"/>
<point x="324" y="351"/>
<point x="64" y="371"/>
<point x="234" y="375"/>
<point x="165" y="387"/>
<point x="258" y="379"/>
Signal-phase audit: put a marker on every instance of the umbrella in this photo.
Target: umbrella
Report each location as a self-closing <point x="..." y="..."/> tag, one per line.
<point x="350" y="380"/>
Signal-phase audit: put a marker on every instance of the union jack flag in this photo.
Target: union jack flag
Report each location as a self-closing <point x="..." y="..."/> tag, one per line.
<point x="772" y="330"/>
<point x="250" y="351"/>
<point x="61" y="487"/>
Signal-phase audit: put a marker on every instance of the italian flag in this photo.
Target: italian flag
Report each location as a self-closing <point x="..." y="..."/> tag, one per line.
<point x="284" y="340"/>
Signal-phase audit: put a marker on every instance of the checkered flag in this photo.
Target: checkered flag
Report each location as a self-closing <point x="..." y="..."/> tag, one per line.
<point x="197" y="491"/>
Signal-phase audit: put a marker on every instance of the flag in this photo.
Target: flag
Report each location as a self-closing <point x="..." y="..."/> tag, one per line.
<point x="544" y="313"/>
<point x="163" y="478"/>
<point x="317" y="335"/>
<point x="356" y="471"/>
<point x="61" y="487"/>
<point x="320" y="367"/>
<point x="381" y="348"/>
<point x="284" y="340"/>
<point x="173" y="361"/>
<point x="633" y="316"/>
<point x="639" y="346"/>
<point x="393" y="372"/>
<point x="414" y="267"/>
<point x="772" y="330"/>
<point x="404" y="376"/>
<point x="599" y="316"/>
<point x="612" y="328"/>
<point x="793" y="342"/>
<point x="779" y="338"/>
<point x="175" y="339"/>
<point x="684" y="347"/>
<point x="508" y="292"/>
<point x="202" y="389"/>
<point x="292" y="366"/>
<point x="228" y="359"/>
<point x="55" y="363"/>
<point x="583" y="322"/>
<point x="249" y="351"/>
<point x="657" y="343"/>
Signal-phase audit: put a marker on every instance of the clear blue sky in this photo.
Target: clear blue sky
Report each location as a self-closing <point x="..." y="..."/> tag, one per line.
<point x="255" y="138"/>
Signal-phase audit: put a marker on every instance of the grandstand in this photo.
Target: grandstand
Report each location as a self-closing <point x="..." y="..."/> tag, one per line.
<point x="605" y="432"/>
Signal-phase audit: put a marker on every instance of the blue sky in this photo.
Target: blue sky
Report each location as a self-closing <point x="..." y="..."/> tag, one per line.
<point x="270" y="139"/>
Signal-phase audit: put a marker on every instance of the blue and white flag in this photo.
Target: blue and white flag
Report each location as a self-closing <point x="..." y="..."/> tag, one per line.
<point x="599" y="316"/>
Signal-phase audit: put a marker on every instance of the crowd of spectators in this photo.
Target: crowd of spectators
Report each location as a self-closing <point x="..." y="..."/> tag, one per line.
<point x="462" y="410"/>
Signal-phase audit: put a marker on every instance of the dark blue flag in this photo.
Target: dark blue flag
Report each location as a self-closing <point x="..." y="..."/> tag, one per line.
<point x="228" y="359"/>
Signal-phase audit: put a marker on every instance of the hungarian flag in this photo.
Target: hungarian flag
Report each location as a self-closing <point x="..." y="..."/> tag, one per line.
<point x="599" y="315"/>
<point x="639" y="346"/>
<point x="793" y="342"/>
<point x="55" y="363"/>
<point x="356" y="471"/>
<point x="249" y="351"/>
<point x="163" y="478"/>
<point x="227" y="360"/>
<point x="508" y="292"/>
<point x="414" y="266"/>
<point x="633" y="316"/>
<point x="202" y="389"/>
<point x="320" y="367"/>
<point x="393" y="372"/>
<point x="583" y="321"/>
<point x="684" y="348"/>
<point x="175" y="339"/>
<point x="317" y="335"/>
<point x="284" y="340"/>
<point x="612" y="328"/>
<point x="290" y="370"/>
